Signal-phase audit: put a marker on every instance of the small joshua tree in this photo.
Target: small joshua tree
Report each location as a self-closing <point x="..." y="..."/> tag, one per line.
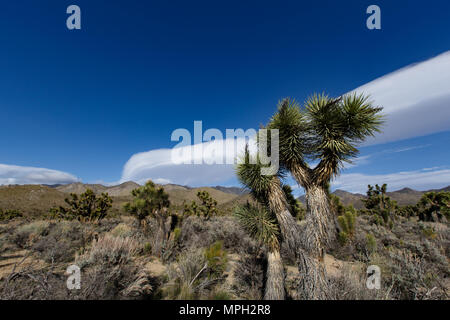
<point x="206" y="209"/>
<point x="380" y="205"/>
<point x="84" y="207"/>
<point x="150" y="200"/>
<point x="347" y="223"/>
<point x="434" y="203"/>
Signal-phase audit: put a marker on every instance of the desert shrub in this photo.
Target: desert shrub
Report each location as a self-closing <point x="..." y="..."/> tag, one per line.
<point x="29" y="233"/>
<point x="111" y="250"/>
<point x="168" y="250"/>
<point x="249" y="274"/>
<point x="61" y="242"/>
<point x="187" y="279"/>
<point x="9" y="214"/>
<point x="176" y="233"/>
<point x="216" y="258"/>
<point x="408" y="211"/>
<point x="147" y="248"/>
<point x="347" y="224"/>
<point x="428" y="232"/>
<point x="350" y="284"/>
<point x="371" y="243"/>
<point x="122" y="230"/>
<point x="220" y="295"/>
<point x="195" y="233"/>
<point x="84" y="207"/>
<point x="412" y="278"/>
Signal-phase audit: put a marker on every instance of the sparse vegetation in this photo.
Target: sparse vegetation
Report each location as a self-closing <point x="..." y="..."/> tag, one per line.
<point x="6" y="215"/>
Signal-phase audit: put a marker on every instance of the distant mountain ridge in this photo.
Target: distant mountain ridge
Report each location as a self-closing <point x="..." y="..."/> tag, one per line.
<point x="405" y="196"/>
<point x="38" y="199"/>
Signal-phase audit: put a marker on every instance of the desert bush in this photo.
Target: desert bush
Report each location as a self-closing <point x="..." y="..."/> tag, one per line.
<point x="9" y="214"/>
<point x="122" y="230"/>
<point x="187" y="279"/>
<point x="29" y="233"/>
<point x="196" y="233"/>
<point x="249" y="274"/>
<point x="216" y="258"/>
<point x="371" y="243"/>
<point x="61" y="242"/>
<point x="111" y="250"/>
<point x="147" y="249"/>
<point x="347" y="224"/>
<point x="350" y="284"/>
<point x="412" y="278"/>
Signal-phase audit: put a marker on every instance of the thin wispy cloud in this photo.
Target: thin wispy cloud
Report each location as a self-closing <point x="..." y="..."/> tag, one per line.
<point x="10" y="174"/>
<point x="423" y="179"/>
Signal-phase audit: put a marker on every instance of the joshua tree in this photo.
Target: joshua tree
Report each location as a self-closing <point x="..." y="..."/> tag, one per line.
<point x="379" y="205"/>
<point x="206" y="209"/>
<point x="267" y="190"/>
<point x="326" y="131"/>
<point x="150" y="200"/>
<point x="434" y="202"/>
<point x="84" y="207"/>
<point x="263" y="226"/>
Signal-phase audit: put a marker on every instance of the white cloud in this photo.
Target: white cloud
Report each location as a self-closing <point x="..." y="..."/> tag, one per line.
<point x="215" y="163"/>
<point x="427" y="178"/>
<point x="416" y="99"/>
<point x="10" y="174"/>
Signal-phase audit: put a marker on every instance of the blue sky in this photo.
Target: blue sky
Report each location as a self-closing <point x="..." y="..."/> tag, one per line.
<point x="81" y="103"/>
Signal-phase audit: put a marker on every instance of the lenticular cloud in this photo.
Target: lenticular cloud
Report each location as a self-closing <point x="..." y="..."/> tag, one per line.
<point x="416" y="99"/>
<point x="10" y="174"/>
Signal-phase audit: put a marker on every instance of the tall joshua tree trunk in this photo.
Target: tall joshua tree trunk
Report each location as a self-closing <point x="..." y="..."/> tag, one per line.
<point x="275" y="277"/>
<point x="313" y="284"/>
<point x="321" y="231"/>
<point x="161" y="235"/>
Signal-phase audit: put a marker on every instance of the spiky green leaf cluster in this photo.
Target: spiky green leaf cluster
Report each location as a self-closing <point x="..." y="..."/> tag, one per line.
<point x="325" y="130"/>
<point x="249" y="174"/>
<point x="260" y="224"/>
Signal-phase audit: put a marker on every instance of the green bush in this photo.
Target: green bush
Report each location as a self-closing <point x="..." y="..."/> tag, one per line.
<point x="9" y="214"/>
<point x="371" y="243"/>
<point x="347" y="224"/>
<point x="216" y="258"/>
